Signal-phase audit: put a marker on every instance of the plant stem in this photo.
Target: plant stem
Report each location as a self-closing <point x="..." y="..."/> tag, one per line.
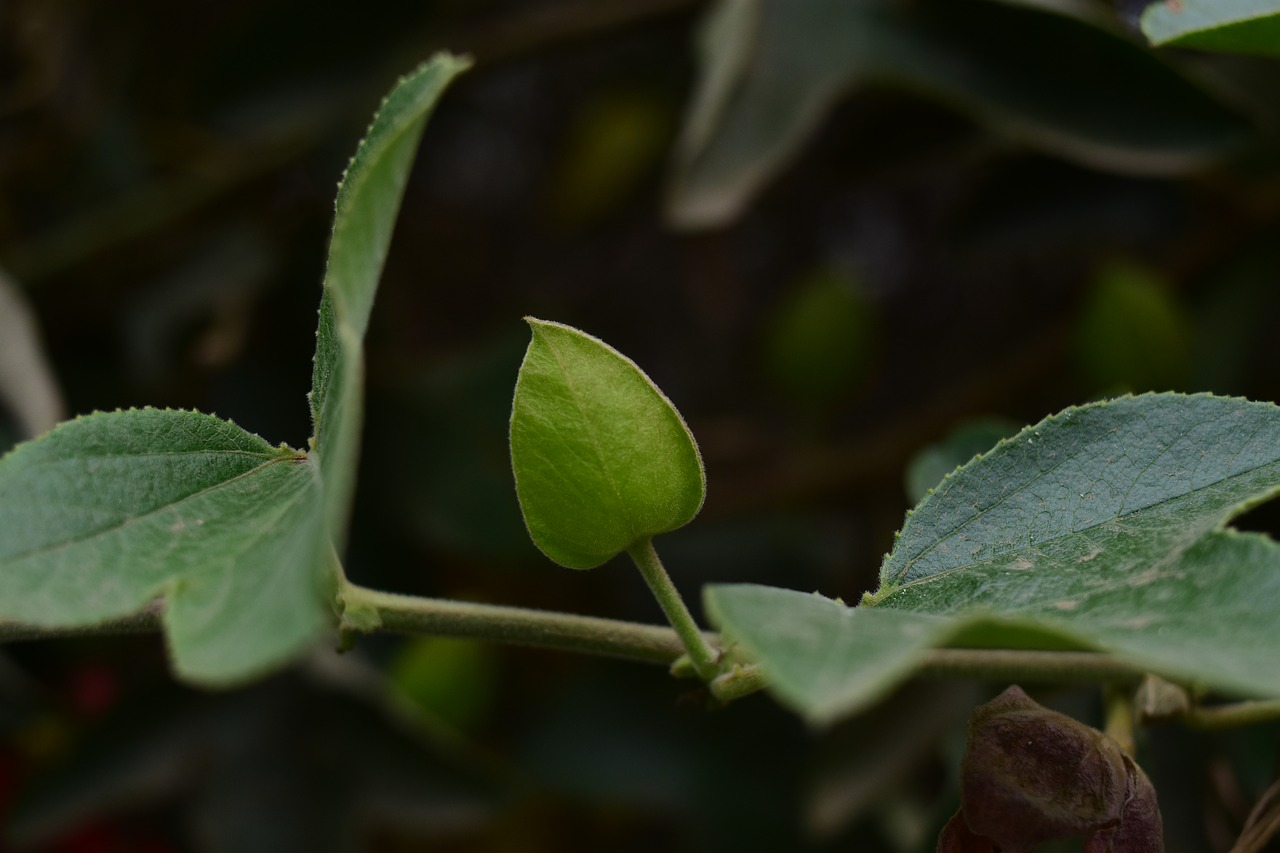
<point x="1234" y="714"/>
<point x="566" y="631"/>
<point x="738" y="682"/>
<point x="1119" y="717"/>
<point x="703" y="657"/>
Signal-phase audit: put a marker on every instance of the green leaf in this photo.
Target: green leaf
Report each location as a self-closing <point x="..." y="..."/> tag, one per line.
<point x="1231" y="26"/>
<point x="364" y="218"/>
<point x="602" y="460"/>
<point x="1118" y="485"/>
<point x="821" y="658"/>
<point x="1103" y="524"/>
<point x="108" y="512"/>
<point x="772" y="71"/>
<point x="1098" y="528"/>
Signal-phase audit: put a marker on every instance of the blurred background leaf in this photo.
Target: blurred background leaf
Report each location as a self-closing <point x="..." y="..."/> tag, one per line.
<point x="1039" y="77"/>
<point x="1241" y="26"/>
<point x="28" y="390"/>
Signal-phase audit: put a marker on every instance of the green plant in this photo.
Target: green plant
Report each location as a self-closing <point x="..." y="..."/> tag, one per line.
<point x="1088" y="547"/>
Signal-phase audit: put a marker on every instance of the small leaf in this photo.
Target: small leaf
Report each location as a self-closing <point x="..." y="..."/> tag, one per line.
<point x="1231" y="26"/>
<point x="364" y="218"/>
<point x="110" y="511"/>
<point x="602" y="460"/>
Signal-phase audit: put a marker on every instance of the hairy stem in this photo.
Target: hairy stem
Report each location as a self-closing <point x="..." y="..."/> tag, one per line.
<point x="701" y="654"/>
<point x="738" y="682"/>
<point x="1233" y="714"/>
<point x="1120" y="716"/>
<point x="367" y="609"/>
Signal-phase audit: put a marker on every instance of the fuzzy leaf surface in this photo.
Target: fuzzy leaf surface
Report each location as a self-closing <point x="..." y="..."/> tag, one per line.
<point x="1099" y="528"/>
<point x="1103" y="524"/>
<point x="364" y="218"/>
<point x="110" y="511"/>
<point x="1230" y="26"/>
<point x="602" y="459"/>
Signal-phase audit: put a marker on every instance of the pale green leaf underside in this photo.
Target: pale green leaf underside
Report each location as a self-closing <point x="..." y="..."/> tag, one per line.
<point x="602" y="460"/>
<point x="365" y="214"/>
<point x="1099" y="528"/>
<point x="821" y="658"/>
<point x="1232" y="26"/>
<point x="110" y="511"/>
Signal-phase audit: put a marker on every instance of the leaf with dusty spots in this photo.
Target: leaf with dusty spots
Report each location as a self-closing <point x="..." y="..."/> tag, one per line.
<point x="1104" y="524"/>
<point x="1100" y="528"/>
<point x="110" y="511"/>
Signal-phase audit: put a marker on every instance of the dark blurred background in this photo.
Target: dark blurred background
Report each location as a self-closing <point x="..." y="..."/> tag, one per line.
<point x="854" y="242"/>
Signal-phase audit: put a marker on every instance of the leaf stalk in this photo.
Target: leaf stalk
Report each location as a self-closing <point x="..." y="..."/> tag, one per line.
<point x="702" y="655"/>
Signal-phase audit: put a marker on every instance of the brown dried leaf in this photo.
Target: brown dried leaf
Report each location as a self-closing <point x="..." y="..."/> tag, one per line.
<point x="1032" y="775"/>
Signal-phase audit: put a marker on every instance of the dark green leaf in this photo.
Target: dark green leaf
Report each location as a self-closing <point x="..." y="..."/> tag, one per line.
<point x="602" y="460"/>
<point x="1101" y="523"/>
<point x="364" y="218"/>
<point x="1098" y="528"/>
<point x="110" y="511"/>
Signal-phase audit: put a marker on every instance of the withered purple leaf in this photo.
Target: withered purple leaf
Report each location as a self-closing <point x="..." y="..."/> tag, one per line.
<point x="1032" y="775"/>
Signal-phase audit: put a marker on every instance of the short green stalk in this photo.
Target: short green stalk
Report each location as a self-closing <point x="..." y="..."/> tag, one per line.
<point x="1119" y="717"/>
<point x="704" y="658"/>
<point x="1233" y="714"/>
